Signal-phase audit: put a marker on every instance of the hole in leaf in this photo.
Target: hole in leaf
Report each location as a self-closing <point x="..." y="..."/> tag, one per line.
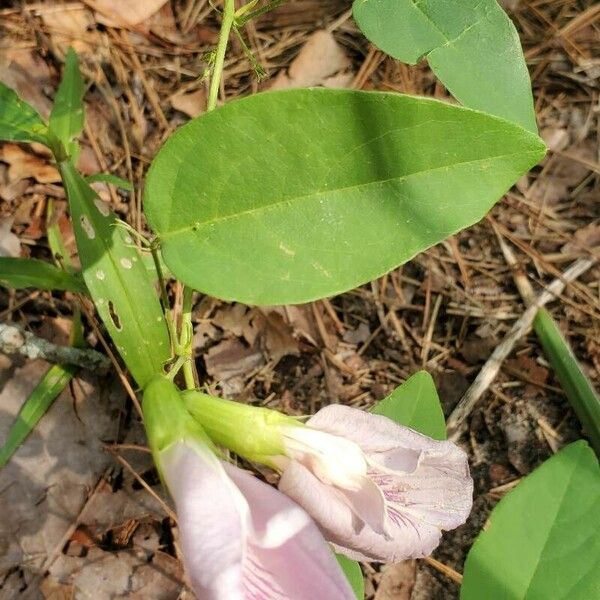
<point x="114" y="316"/>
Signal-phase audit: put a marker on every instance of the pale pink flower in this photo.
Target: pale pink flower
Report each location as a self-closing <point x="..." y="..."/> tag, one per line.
<point x="241" y="538"/>
<point x="378" y="491"/>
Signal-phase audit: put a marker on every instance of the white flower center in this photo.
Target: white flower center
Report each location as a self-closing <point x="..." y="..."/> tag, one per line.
<point x="334" y="460"/>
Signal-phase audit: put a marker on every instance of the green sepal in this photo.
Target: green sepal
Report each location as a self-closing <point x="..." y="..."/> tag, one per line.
<point x="166" y="419"/>
<point x="250" y="431"/>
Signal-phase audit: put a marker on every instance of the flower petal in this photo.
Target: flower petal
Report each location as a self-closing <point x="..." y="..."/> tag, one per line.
<point x="211" y="518"/>
<point x="287" y="557"/>
<point x="345" y="530"/>
<point x="425" y="482"/>
<point x="373" y="433"/>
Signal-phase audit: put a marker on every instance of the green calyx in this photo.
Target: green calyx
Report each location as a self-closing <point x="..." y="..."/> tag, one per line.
<point x="166" y="418"/>
<point x="249" y="431"/>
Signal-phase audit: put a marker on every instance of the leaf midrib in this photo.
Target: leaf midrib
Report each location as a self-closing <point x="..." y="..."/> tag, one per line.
<point x="295" y="199"/>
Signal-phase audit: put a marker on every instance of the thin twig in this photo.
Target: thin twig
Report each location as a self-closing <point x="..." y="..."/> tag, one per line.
<point x="491" y="368"/>
<point x="16" y="340"/>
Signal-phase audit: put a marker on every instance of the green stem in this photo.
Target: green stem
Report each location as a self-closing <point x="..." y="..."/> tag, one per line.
<point x="215" y="81"/>
<point x="185" y="341"/>
<point x="165" y="299"/>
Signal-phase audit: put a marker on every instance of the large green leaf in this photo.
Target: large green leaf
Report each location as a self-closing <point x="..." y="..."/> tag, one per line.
<point x="19" y="121"/>
<point x="543" y="538"/>
<point x="471" y="45"/>
<point x="289" y="196"/>
<point x="117" y="280"/>
<point x="66" y="118"/>
<point x="415" y="404"/>
<point x="28" y="272"/>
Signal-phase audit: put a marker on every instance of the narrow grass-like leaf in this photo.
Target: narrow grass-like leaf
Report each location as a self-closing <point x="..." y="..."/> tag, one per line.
<point x="471" y="45"/>
<point x="21" y="273"/>
<point x="577" y="386"/>
<point x="20" y="122"/>
<point x="117" y="280"/>
<point x="47" y="390"/>
<point x="543" y="538"/>
<point x="66" y="118"/>
<point x="110" y="178"/>
<point x="353" y="574"/>
<point x="415" y="404"/>
<point x="289" y="196"/>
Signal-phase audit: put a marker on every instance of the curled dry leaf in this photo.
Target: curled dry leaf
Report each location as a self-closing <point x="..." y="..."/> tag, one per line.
<point x="23" y="165"/>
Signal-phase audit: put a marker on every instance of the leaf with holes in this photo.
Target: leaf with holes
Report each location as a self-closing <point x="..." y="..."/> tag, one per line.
<point x="117" y="280"/>
<point x="289" y="196"/>
<point x="19" y="122"/>
<point x="471" y="45"/>
<point x="66" y="118"/>
<point x="543" y="538"/>
<point x="21" y="273"/>
<point x="415" y="404"/>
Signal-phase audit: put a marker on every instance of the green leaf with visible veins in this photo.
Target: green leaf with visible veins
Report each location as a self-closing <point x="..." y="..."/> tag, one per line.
<point x="415" y="404"/>
<point x="21" y="273"/>
<point x="285" y="197"/>
<point x="542" y="540"/>
<point x="117" y="280"/>
<point x="471" y="45"/>
<point x="66" y="118"/>
<point x="19" y="122"/>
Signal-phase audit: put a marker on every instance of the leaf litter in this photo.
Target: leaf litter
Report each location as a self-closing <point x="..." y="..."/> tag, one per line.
<point x="110" y="536"/>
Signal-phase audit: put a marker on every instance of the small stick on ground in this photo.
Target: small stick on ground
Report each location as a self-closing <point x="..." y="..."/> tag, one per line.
<point x="489" y="371"/>
<point x="16" y="340"/>
<point x="445" y="569"/>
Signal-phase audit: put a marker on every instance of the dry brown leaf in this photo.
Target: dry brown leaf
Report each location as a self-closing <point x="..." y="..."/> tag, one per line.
<point x="585" y="238"/>
<point x="27" y="74"/>
<point x="68" y="26"/>
<point x="278" y="337"/>
<point x="124" y="13"/>
<point x="23" y="165"/>
<point x="397" y="581"/>
<point x="9" y="242"/>
<point x="230" y="362"/>
<point x="321" y="61"/>
<point x="191" y="104"/>
<point x="47" y="481"/>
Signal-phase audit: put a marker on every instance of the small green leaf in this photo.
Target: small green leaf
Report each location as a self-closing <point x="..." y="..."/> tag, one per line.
<point x="112" y="179"/>
<point x="117" y="280"/>
<point x="471" y="45"/>
<point x="577" y="386"/>
<point x="353" y="574"/>
<point x="19" y="122"/>
<point x="21" y="273"/>
<point x="66" y="118"/>
<point x="543" y="538"/>
<point x="415" y="404"/>
<point x="47" y="390"/>
<point x="289" y="196"/>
